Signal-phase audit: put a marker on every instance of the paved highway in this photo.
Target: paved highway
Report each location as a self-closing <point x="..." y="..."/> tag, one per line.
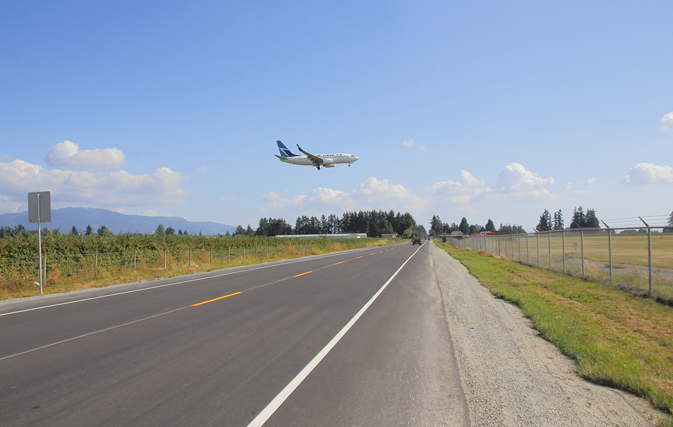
<point x="353" y="338"/>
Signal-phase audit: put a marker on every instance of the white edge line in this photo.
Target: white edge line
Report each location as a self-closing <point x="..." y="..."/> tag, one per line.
<point x="290" y="261"/>
<point x="273" y="406"/>
<point x="91" y="333"/>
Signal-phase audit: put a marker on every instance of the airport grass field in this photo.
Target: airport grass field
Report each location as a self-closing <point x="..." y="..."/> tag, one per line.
<point x="618" y="340"/>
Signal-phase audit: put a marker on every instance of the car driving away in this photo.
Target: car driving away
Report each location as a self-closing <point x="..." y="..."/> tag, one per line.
<point x="415" y="240"/>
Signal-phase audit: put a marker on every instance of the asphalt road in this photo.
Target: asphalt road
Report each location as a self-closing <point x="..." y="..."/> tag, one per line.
<point x="326" y="340"/>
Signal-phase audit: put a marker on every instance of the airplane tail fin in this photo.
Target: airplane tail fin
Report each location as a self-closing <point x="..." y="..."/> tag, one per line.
<point x="284" y="151"/>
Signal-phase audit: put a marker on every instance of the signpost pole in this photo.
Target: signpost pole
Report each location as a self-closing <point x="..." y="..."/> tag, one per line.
<point x="39" y="240"/>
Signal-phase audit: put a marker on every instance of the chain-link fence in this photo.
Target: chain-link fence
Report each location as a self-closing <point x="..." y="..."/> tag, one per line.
<point x="639" y="260"/>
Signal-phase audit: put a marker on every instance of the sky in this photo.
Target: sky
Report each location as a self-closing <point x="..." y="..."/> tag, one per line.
<point x="485" y="110"/>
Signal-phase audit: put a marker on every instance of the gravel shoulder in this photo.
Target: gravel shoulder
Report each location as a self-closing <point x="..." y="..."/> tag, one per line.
<point x="511" y="376"/>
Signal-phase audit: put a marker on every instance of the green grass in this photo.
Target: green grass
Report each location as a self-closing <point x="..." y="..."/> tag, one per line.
<point x="618" y="340"/>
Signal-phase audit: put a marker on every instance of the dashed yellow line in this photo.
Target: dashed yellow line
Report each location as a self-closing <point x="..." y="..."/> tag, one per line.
<point x="358" y="257"/>
<point x="211" y="300"/>
<point x="339" y="262"/>
<point x="303" y="273"/>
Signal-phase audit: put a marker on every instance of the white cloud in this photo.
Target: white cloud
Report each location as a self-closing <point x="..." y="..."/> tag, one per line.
<point x="67" y="153"/>
<point x="462" y="191"/>
<point x="583" y="192"/>
<point x="372" y="194"/>
<point x="223" y="199"/>
<point x="649" y="173"/>
<point x="568" y="186"/>
<point x="203" y="169"/>
<point x="152" y="212"/>
<point x="329" y="196"/>
<point x="411" y="143"/>
<point x="590" y="181"/>
<point x="523" y="185"/>
<point x="5" y="157"/>
<point x="115" y="189"/>
<point x="375" y="194"/>
<point x="667" y="121"/>
<point x="278" y="202"/>
<point x="9" y="205"/>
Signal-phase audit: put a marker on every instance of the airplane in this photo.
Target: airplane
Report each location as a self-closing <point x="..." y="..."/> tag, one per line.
<point x="308" y="159"/>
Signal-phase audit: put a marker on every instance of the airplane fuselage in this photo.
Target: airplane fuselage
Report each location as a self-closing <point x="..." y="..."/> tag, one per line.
<point x="328" y="160"/>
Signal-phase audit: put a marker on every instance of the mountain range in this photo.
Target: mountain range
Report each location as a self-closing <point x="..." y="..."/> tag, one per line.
<point x="66" y="218"/>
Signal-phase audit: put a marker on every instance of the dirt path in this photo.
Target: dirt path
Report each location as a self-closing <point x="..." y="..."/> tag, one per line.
<point x="511" y="376"/>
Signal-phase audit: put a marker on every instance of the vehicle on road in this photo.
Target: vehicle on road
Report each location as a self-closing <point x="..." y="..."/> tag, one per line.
<point x="317" y="160"/>
<point x="415" y="240"/>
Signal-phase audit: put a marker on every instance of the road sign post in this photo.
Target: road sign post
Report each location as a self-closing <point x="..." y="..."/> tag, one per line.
<point x="39" y="210"/>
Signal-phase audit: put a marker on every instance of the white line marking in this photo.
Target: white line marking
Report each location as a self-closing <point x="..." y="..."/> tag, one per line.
<point x="91" y="333"/>
<point x="272" y="407"/>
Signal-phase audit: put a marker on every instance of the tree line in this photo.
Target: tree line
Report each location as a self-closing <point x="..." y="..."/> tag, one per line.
<point x="437" y="227"/>
<point x="374" y="223"/>
<point x="580" y="219"/>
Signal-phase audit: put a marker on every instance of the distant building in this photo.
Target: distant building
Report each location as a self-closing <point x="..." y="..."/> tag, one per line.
<point x="389" y="236"/>
<point x="331" y="236"/>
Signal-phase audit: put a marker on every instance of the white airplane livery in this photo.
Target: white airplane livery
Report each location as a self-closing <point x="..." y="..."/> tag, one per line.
<point x="317" y="160"/>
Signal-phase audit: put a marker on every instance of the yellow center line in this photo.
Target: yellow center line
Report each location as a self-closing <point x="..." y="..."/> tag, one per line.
<point x="358" y="257"/>
<point x="206" y="302"/>
<point x="303" y="273"/>
<point x="372" y="254"/>
<point x="339" y="262"/>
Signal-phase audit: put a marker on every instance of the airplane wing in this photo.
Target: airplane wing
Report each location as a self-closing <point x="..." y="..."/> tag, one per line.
<point x="317" y="161"/>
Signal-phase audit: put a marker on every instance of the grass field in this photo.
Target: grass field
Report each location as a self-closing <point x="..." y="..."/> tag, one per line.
<point x="617" y="340"/>
<point x="629" y="257"/>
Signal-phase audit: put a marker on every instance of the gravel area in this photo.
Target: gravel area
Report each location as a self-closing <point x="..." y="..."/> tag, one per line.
<point x="511" y="376"/>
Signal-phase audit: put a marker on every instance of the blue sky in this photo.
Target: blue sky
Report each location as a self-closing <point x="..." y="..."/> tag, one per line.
<point x="478" y="109"/>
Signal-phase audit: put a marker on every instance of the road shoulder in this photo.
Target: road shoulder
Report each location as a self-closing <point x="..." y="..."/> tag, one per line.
<point x="511" y="376"/>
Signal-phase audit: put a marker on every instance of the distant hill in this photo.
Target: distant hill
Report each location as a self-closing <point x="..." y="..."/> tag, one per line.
<point x="81" y="217"/>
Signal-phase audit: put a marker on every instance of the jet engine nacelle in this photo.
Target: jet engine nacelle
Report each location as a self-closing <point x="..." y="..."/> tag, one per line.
<point x="327" y="162"/>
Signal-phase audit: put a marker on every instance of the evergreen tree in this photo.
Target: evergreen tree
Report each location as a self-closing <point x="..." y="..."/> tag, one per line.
<point x="545" y="222"/>
<point x="464" y="227"/>
<point x="74" y="231"/>
<point x="558" y="220"/>
<point x="578" y="218"/>
<point x="160" y="230"/>
<point x="435" y="226"/>
<point x="489" y="225"/>
<point x="249" y="231"/>
<point x="170" y="231"/>
<point x="669" y="229"/>
<point x="590" y="219"/>
<point x="240" y="231"/>
<point x="103" y="231"/>
<point x="88" y="231"/>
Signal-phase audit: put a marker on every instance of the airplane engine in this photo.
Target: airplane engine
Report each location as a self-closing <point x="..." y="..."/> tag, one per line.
<point x="327" y="162"/>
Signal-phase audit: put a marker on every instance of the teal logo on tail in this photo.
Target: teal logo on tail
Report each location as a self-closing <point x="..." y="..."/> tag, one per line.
<point x="284" y="151"/>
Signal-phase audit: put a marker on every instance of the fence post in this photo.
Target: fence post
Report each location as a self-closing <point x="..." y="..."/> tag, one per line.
<point x="649" y="254"/>
<point x="189" y="262"/>
<point x="609" y="250"/>
<point x="267" y="251"/>
<point x="563" y="235"/>
<point x="165" y="252"/>
<point x="527" y="250"/>
<point x="582" y="244"/>
<point x="135" y="259"/>
<point x="211" y="255"/>
<point x="228" y="254"/>
<point x="243" y="253"/>
<point x="537" y="238"/>
<point x="518" y="241"/>
<point x="549" y="239"/>
<point x="95" y="265"/>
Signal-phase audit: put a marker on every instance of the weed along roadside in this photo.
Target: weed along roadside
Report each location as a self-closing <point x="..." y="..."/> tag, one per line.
<point x="617" y="339"/>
